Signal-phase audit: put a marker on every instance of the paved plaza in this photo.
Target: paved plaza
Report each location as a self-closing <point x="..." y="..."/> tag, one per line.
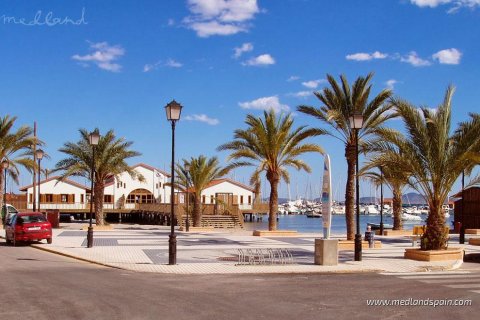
<point x="145" y="249"/>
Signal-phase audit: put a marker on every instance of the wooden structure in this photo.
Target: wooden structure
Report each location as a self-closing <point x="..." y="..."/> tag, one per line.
<point x="467" y="207"/>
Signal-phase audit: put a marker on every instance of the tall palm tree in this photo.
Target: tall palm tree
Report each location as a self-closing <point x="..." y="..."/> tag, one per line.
<point x="434" y="156"/>
<point x="271" y="144"/>
<point x="202" y="171"/>
<point x="339" y="102"/>
<point x="111" y="154"/>
<point x="15" y="147"/>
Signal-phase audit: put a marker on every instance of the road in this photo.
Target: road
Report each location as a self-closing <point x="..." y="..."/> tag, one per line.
<point x="39" y="285"/>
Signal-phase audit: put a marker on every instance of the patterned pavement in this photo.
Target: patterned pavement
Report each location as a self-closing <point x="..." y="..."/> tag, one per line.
<point x="145" y="249"/>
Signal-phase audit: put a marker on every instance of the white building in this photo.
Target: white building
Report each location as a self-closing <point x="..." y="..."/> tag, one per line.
<point x="229" y="191"/>
<point x="56" y="194"/>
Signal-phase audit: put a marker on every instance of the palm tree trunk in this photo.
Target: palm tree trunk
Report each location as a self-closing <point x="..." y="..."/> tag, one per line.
<point x="397" y="209"/>
<point x="99" y="189"/>
<point x="197" y="211"/>
<point x="436" y="235"/>
<point x="350" y="191"/>
<point x="2" y="185"/>
<point x="274" y="179"/>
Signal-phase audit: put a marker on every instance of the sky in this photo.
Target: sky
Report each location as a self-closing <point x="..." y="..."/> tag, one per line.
<point x="115" y="64"/>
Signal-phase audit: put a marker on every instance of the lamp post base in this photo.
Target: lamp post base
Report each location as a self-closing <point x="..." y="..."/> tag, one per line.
<point x="90" y="237"/>
<point x="187" y="226"/>
<point x="358" y="247"/>
<point x="462" y="235"/>
<point x="172" y="249"/>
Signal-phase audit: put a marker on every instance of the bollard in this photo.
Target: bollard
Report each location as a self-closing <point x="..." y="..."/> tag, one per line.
<point x="370" y="237"/>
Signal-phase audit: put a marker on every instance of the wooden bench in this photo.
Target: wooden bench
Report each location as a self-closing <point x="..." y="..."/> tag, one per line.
<point x="418" y="232"/>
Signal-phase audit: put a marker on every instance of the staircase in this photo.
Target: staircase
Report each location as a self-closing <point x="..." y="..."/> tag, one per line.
<point x="217" y="222"/>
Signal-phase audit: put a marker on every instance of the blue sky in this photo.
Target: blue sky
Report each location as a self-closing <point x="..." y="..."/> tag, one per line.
<point x="116" y="64"/>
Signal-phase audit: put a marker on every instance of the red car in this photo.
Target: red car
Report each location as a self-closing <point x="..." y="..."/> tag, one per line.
<point x="28" y="226"/>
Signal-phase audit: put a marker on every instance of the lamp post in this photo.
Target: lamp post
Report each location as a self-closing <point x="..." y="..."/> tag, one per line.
<point x="5" y="165"/>
<point x="462" y="226"/>
<point x="187" y="171"/>
<point x="356" y="123"/>
<point x="173" y="110"/>
<point x="381" y="200"/>
<point x="93" y="138"/>
<point x="39" y="155"/>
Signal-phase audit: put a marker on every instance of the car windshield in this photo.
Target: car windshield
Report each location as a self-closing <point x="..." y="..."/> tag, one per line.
<point x="31" y="218"/>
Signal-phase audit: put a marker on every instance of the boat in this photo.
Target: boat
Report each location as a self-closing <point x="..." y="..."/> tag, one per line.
<point x="313" y="214"/>
<point x="376" y="226"/>
<point x="371" y="210"/>
<point x="410" y="217"/>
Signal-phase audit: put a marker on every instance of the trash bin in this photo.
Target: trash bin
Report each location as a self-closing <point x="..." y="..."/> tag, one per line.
<point x="370" y="237"/>
<point x="53" y="216"/>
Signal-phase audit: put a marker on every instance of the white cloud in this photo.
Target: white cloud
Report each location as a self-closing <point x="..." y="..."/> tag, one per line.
<point x="361" y="56"/>
<point x="220" y="17"/>
<point x="246" y="47"/>
<point x="265" y="103"/>
<point x="413" y="59"/>
<point x="171" y="22"/>
<point x="173" y="64"/>
<point x="169" y="63"/>
<point x="448" y="56"/>
<point x="312" y="84"/>
<point x="293" y="78"/>
<point x="429" y="3"/>
<point x="202" y="118"/>
<point x="103" y="56"/>
<point x="301" y="94"/>
<point x="455" y="4"/>
<point x="391" y="83"/>
<point x="261" y="60"/>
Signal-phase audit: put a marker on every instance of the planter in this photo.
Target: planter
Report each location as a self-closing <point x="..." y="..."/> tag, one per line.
<point x="434" y="255"/>
<point x="396" y="232"/>
<point x="474" y="241"/>
<point x="472" y="231"/>
<point x="350" y="245"/>
<point x="277" y="233"/>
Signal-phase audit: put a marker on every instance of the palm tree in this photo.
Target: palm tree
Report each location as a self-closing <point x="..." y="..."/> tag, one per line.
<point x="110" y="155"/>
<point x="395" y="179"/>
<point x="15" y="147"/>
<point x="434" y="156"/>
<point x="201" y="172"/>
<point x="271" y="144"/>
<point x="339" y="103"/>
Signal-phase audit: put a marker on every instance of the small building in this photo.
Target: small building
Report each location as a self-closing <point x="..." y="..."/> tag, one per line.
<point x="467" y="207"/>
<point x="229" y="192"/>
<point x="56" y="194"/>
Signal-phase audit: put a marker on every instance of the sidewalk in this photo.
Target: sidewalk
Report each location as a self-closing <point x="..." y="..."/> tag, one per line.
<point x="145" y="249"/>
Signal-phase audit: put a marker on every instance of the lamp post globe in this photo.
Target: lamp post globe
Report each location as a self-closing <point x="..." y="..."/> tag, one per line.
<point x="93" y="139"/>
<point x="356" y="123"/>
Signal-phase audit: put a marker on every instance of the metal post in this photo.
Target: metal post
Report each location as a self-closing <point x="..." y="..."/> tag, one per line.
<point x="462" y="226"/>
<point x="5" y="194"/>
<point x="381" y="201"/>
<point x="39" y="178"/>
<point x="358" y="236"/>
<point x="92" y="198"/>
<point x="187" y="223"/>
<point x="34" y="196"/>
<point x="172" y="240"/>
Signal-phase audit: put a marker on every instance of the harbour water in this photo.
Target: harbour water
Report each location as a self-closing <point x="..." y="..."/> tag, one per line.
<point x="315" y="225"/>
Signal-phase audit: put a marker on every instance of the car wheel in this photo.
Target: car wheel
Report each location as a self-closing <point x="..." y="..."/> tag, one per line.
<point x="49" y="241"/>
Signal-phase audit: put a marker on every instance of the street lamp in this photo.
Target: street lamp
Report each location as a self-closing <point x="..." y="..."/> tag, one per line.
<point x="39" y="155"/>
<point x="93" y="139"/>
<point x="356" y="123"/>
<point x="173" y="110"/>
<point x="462" y="224"/>
<point x="5" y="165"/>
<point x="187" y="171"/>
<point x="381" y="200"/>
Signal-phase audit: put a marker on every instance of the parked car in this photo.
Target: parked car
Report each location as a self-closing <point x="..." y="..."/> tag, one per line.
<point x="9" y="212"/>
<point x="28" y="226"/>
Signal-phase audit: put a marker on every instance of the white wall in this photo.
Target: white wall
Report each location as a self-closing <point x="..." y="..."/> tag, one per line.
<point x="57" y="187"/>
<point x="228" y="187"/>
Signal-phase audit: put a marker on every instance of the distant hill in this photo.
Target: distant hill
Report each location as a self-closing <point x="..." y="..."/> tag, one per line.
<point x="413" y="198"/>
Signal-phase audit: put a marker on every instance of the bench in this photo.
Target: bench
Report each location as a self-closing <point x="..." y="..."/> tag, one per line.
<point x="418" y="232"/>
<point x="264" y="256"/>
